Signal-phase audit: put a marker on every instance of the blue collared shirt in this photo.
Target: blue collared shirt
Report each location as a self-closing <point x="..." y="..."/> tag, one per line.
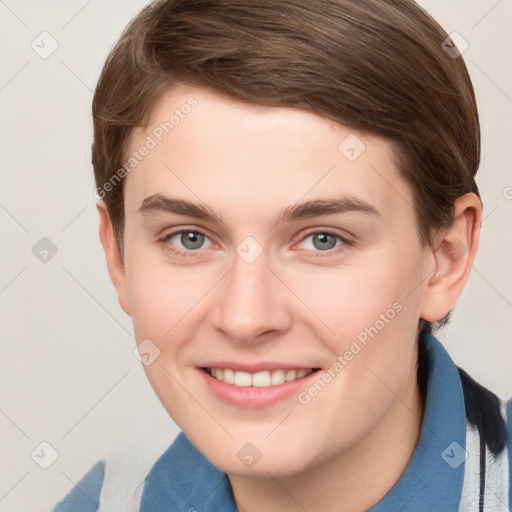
<point x="443" y="474"/>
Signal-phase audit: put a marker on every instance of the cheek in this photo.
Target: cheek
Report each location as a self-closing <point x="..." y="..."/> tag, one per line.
<point x="348" y="301"/>
<point x="152" y="304"/>
<point x="369" y="316"/>
<point x="167" y="306"/>
<point x="162" y="306"/>
<point x="159" y="296"/>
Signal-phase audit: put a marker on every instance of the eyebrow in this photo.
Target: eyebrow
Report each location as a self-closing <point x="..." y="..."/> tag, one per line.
<point x="319" y="207"/>
<point x="314" y="208"/>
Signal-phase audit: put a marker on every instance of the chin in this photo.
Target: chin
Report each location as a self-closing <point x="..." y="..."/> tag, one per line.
<point x="257" y="460"/>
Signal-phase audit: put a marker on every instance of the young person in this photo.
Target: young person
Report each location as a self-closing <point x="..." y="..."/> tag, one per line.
<point x="288" y="209"/>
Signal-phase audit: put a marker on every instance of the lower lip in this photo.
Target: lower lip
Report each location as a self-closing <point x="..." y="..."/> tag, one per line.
<point x="254" y="397"/>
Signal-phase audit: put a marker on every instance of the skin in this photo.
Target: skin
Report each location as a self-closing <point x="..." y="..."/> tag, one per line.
<point x="298" y="302"/>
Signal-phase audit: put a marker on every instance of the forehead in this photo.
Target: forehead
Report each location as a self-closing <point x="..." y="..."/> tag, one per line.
<point x="208" y="147"/>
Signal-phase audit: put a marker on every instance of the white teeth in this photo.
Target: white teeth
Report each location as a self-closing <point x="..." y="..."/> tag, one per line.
<point x="229" y="376"/>
<point x="243" y="379"/>
<point x="291" y="375"/>
<point x="278" y="377"/>
<point x="262" y="379"/>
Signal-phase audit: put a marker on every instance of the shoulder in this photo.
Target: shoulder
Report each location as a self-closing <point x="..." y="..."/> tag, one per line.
<point x="85" y="495"/>
<point x="491" y="417"/>
<point x="116" y="482"/>
<point x="487" y="412"/>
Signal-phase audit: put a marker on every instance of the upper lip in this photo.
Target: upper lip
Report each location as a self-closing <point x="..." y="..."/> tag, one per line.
<point x="256" y="367"/>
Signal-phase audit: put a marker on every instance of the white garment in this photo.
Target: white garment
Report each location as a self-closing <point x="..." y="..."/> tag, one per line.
<point x="123" y="482"/>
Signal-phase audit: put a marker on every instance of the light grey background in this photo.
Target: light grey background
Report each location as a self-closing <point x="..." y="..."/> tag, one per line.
<point x="67" y="369"/>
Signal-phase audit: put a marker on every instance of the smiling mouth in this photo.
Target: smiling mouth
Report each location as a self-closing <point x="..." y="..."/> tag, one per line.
<point x="262" y="379"/>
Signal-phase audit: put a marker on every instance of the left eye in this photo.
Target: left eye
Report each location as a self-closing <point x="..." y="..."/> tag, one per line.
<point x="322" y="241"/>
<point x="190" y="240"/>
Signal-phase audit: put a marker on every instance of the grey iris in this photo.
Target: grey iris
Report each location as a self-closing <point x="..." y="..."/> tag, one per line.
<point x="325" y="241"/>
<point x="192" y="240"/>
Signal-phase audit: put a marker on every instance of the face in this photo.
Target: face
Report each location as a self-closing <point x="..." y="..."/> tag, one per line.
<point x="272" y="262"/>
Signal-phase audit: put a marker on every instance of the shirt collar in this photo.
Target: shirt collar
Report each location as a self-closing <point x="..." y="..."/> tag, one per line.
<point x="182" y="476"/>
<point x="432" y="480"/>
<point x="434" y="477"/>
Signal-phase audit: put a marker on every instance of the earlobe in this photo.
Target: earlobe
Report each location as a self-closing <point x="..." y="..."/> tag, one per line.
<point x="115" y="264"/>
<point x="454" y="251"/>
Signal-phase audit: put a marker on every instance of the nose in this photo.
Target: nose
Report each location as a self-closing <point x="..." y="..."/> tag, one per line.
<point x="251" y="305"/>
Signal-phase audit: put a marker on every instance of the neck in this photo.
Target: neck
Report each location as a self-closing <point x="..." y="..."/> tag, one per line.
<point x="351" y="481"/>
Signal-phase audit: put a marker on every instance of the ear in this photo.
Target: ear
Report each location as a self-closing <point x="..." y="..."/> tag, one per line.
<point x="454" y="252"/>
<point x="113" y="256"/>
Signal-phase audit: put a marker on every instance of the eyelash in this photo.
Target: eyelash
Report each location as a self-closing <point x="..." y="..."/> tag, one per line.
<point x="164" y="241"/>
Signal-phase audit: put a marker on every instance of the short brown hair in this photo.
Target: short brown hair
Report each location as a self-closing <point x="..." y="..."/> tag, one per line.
<point x="380" y="67"/>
